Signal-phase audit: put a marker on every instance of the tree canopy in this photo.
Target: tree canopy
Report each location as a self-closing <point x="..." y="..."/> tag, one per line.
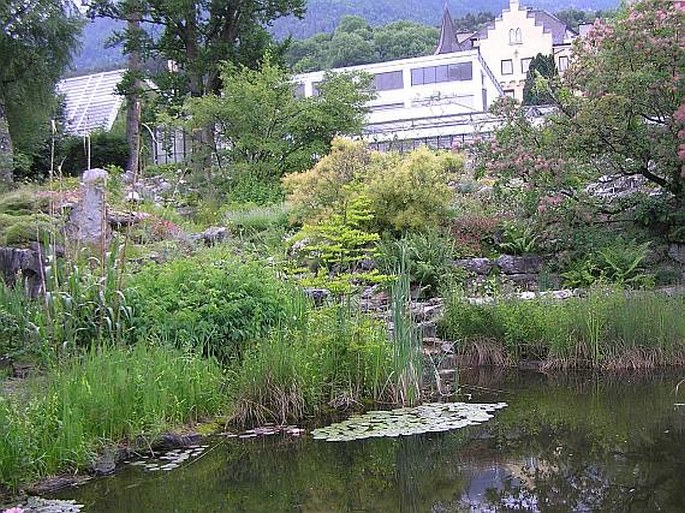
<point x="264" y="128"/>
<point x="37" y="39"/>
<point x="620" y="109"/>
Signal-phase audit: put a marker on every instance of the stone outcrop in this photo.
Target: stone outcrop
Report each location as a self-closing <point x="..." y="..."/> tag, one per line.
<point x="88" y="220"/>
<point x="24" y="267"/>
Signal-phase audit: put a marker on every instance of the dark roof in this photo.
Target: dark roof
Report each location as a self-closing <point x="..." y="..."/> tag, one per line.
<point x="448" y="36"/>
<point x="550" y="24"/>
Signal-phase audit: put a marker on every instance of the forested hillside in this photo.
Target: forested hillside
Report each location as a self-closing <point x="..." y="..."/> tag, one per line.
<point x="324" y="16"/>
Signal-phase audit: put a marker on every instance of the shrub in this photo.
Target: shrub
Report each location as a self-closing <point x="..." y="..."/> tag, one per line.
<point x="106" y="149"/>
<point x="17" y="230"/>
<point x="411" y="192"/>
<point x="406" y="192"/>
<point x="337" y="250"/>
<point x="209" y="301"/>
<point x="255" y="218"/>
<point x="324" y="189"/>
<point x="474" y="234"/>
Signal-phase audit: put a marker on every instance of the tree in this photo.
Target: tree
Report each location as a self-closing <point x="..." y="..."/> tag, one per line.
<point x="405" y="39"/>
<point x="541" y="66"/>
<point x="37" y="38"/>
<point x="629" y="72"/>
<point x="196" y="36"/>
<point x="266" y="129"/>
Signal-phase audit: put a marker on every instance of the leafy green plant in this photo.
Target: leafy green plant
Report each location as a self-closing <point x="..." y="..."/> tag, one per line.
<point x="332" y="253"/>
<point x="518" y="239"/>
<point x="210" y="301"/>
<point x="621" y="263"/>
<point x="428" y="258"/>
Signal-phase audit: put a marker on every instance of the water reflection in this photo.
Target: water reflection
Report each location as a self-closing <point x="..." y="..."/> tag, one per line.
<point x="578" y="443"/>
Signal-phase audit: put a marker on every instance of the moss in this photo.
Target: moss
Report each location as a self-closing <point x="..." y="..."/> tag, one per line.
<point x="22" y="202"/>
<point x="22" y="229"/>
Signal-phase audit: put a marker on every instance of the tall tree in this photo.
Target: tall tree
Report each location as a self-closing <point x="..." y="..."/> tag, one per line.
<point x="534" y="91"/>
<point x="37" y="38"/>
<point x="195" y="36"/>
<point x="267" y="130"/>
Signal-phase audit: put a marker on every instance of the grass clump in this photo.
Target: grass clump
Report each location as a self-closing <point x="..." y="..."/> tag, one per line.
<point x="609" y="328"/>
<point x="337" y="358"/>
<point x="110" y="393"/>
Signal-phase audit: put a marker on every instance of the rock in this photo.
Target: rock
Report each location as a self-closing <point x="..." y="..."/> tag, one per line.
<point x="176" y="441"/>
<point x="214" y="235"/>
<point x="529" y="281"/>
<point x="319" y="296"/>
<point x="22" y="369"/>
<point x="677" y="252"/>
<point x="530" y="264"/>
<point x="25" y="266"/>
<point x="119" y="220"/>
<point x="87" y="220"/>
<point x="476" y="265"/>
<point x="39" y="505"/>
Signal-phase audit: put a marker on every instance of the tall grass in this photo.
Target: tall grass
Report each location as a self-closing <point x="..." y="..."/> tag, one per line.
<point x="109" y="394"/>
<point x="407" y="359"/>
<point x="609" y="328"/>
<point x="338" y="358"/>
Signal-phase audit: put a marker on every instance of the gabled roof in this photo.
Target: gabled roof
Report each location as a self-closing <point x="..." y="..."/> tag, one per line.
<point x="448" y="36"/>
<point x="551" y="24"/>
<point x="92" y="101"/>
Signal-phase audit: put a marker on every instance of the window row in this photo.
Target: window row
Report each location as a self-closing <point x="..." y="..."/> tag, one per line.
<point x="508" y="65"/>
<point x="446" y="73"/>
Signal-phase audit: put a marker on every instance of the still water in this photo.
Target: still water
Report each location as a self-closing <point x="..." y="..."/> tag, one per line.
<point x="564" y="443"/>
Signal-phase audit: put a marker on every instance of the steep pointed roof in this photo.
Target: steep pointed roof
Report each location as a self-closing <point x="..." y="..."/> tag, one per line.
<point x="448" y="36"/>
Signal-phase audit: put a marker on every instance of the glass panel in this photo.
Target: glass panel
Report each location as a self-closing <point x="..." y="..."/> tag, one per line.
<point x="429" y="75"/>
<point x="417" y="76"/>
<point x="441" y="74"/>
<point x="299" y="90"/>
<point x="507" y="67"/>
<point x="315" y="88"/>
<point x="389" y="81"/>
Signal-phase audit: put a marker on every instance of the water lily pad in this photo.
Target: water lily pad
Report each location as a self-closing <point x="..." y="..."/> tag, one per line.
<point x="431" y="417"/>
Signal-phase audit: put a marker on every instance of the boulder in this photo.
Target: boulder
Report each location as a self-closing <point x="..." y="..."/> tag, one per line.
<point x="529" y="264"/>
<point x="476" y="265"/>
<point x="677" y="253"/>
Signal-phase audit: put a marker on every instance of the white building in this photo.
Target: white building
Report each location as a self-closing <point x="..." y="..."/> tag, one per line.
<point x="435" y="99"/>
<point x="443" y="98"/>
<point x="510" y="42"/>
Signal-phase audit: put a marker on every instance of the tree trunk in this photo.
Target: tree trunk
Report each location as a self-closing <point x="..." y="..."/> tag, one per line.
<point x="133" y="96"/>
<point x="6" y="153"/>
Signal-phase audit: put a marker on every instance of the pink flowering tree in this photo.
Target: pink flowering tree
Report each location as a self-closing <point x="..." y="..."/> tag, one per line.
<point x="628" y="113"/>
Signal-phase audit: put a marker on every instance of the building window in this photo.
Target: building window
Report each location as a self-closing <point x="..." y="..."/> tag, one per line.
<point x="507" y="67"/>
<point x="525" y="64"/>
<point x="436" y="74"/>
<point x="315" y="88"/>
<point x="509" y="93"/>
<point x="299" y="90"/>
<point x="515" y="36"/>
<point x="389" y="81"/>
<point x="519" y="36"/>
<point x="563" y="62"/>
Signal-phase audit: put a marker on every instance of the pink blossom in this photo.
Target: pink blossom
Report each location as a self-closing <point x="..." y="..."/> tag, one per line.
<point x="14" y="510"/>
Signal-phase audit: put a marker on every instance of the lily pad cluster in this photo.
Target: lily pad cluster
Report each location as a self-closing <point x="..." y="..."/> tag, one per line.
<point x="171" y="459"/>
<point x="427" y="418"/>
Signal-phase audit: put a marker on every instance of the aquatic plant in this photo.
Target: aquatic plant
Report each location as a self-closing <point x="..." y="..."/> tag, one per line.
<point x="426" y="418"/>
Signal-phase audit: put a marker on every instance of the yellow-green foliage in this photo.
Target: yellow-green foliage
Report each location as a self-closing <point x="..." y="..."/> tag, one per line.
<point x="411" y="192"/>
<point x="324" y="189"/>
<point x="406" y="191"/>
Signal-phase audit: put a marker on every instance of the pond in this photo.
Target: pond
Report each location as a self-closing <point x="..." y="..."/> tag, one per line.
<point x="563" y="443"/>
